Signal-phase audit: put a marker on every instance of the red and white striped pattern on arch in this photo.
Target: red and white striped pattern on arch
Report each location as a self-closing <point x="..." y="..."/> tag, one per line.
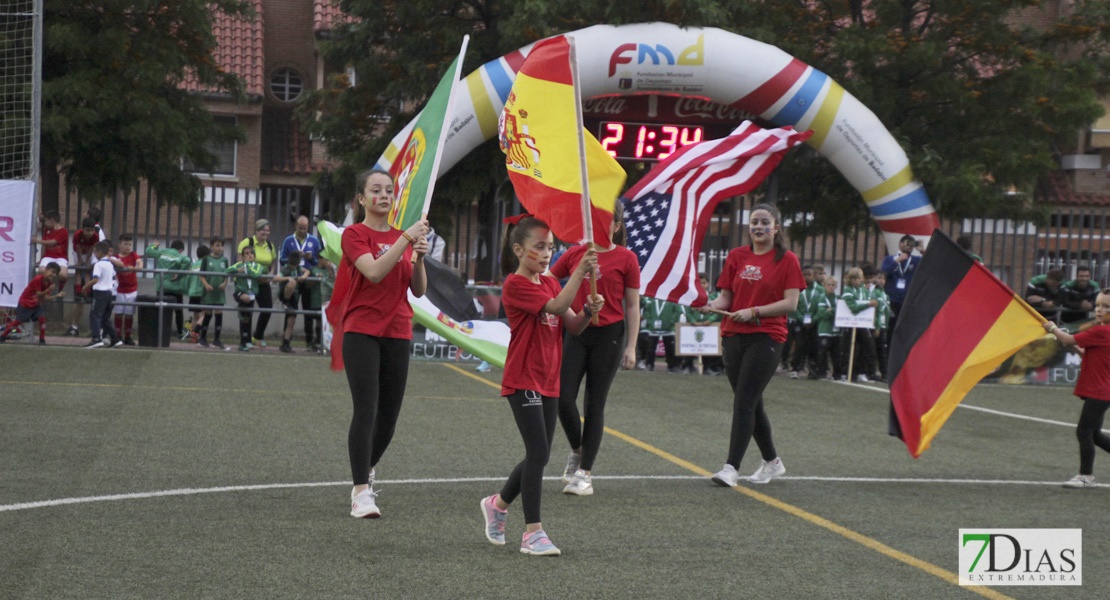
<point x="668" y="211"/>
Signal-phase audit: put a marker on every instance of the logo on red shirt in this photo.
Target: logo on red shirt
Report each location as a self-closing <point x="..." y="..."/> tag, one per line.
<point x="548" y="319"/>
<point x="751" y="273"/>
<point x="382" y="249"/>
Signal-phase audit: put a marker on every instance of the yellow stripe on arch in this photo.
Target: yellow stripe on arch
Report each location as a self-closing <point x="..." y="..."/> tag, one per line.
<point x="822" y="123"/>
<point x="896" y="182"/>
<point x="483" y="107"/>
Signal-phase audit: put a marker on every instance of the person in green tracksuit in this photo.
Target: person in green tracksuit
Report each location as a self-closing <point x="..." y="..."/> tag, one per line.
<point x="828" y="334"/>
<point x="802" y="327"/>
<point x="883" y="313"/>
<point x="212" y="287"/>
<point x="194" y="291"/>
<point x="711" y="365"/>
<point x="657" y="321"/>
<point x="858" y="298"/>
<point x="172" y="284"/>
<point x="246" y="273"/>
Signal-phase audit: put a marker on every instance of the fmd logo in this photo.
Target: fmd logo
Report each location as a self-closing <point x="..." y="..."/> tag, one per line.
<point x="658" y="54"/>
<point x="1021" y="557"/>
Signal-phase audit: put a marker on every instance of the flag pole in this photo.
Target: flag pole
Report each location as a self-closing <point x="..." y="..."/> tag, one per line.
<point x="443" y="135"/>
<point x="587" y="220"/>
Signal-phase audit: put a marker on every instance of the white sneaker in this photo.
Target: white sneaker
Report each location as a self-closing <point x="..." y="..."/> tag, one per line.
<point x="768" y="471"/>
<point x="95" y="344"/>
<point x="363" y="505"/>
<point x="573" y="462"/>
<point x="793" y="374"/>
<point x="1080" y="481"/>
<point x="862" y="379"/>
<point x="581" y="484"/>
<point x="726" y="477"/>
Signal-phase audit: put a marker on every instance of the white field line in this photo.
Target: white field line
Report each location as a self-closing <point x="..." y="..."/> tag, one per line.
<point x="971" y="407"/>
<point x="277" y="486"/>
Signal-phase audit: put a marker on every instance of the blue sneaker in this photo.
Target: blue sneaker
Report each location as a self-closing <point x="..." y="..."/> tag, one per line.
<point x="537" y="544"/>
<point x="484" y="367"/>
<point x="495" y="520"/>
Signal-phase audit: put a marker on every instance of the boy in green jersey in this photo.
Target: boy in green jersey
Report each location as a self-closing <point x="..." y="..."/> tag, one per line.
<point x="213" y="292"/>
<point x="172" y="284"/>
<point x="289" y="280"/>
<point x="246" y="274"/>
<point x="828" y="335"/>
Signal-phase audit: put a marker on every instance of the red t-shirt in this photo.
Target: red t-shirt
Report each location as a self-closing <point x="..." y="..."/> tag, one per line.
<point x="59" y="250"/>
<point x="757" y="280"/>
<point x="128" y="280"/>
<point x="30" y="296"/>
<point x="619" y="270"/>
<point x="535" y="338"/>
<point x="1094" y="372"/>
<point x="83" y="244"/>
<point x="379" y="309"/>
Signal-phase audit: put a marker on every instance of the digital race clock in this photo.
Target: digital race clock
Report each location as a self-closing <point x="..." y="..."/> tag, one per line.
<point x="646" y="141"/>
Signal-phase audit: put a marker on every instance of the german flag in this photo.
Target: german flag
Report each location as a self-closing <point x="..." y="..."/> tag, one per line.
<point x="958" y="324"/>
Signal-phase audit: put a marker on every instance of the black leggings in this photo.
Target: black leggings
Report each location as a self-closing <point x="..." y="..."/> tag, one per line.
<point x="750" y="363"/>
<point x="1089" y="432"/>
<point x="377" y="370"/>
<point x="595" y="354"/>
<point x="245" y="317"/>
<point x="535" y="418"/>
<point x="265" y="299"/>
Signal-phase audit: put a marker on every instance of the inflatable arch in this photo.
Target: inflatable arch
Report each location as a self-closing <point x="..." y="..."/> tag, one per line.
<point x="728" y="69"/>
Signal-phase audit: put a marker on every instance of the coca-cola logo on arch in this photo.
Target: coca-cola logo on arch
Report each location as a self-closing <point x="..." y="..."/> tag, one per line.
<point x="656" y="107"/>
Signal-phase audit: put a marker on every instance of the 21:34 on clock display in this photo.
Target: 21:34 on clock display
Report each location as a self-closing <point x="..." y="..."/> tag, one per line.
<point x="646" y="141"/>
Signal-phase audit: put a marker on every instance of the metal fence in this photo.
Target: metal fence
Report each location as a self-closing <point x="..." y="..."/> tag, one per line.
<point x="1074" y="236"/>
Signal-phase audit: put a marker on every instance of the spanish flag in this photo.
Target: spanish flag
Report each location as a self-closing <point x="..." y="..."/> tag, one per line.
<point x="958" y="324"/>
<point x="538" y="131"/>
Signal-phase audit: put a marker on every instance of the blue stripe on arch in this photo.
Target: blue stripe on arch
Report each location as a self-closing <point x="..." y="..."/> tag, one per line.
<point x="500" y="79"/>
<point x="911" y="201"/>
<point x="802" y="101"/>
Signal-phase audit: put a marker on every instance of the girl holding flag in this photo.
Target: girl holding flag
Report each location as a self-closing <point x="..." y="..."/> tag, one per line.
<point x="537" y="309"/>
<point x="760" y="285"/>
<point x="372" y="311"/>
<point x="597" y="352"/>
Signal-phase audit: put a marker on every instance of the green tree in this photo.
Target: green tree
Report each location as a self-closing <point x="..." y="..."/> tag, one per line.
<point x="115" y="110"/>
<point x="982" y="104"/>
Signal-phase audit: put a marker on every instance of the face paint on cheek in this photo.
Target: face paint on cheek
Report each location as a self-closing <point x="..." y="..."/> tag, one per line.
<point x="533" y="255"/>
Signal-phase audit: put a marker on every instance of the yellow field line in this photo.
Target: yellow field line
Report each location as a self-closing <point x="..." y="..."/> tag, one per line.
<point x="822" y="522"/>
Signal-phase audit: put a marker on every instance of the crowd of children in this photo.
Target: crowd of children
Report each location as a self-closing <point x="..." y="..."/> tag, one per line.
<point x="105" y="275"/>
<point x="816" y="348"/>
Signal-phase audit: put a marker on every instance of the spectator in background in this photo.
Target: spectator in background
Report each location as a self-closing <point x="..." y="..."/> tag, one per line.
<point x="710" y="365"/>
<point x="290" y="282"/>
<point x="83" y="242"/>
<point x="266" y="255"/>
<point x="876" y="281"/>
<point x="310" y="247"/>
<point x="246" y="274"/>
<point x="103" y="287"/>
<point x="1078" y="296"/>
<point x="437" y="247"/>
<point x="802" y="335"/>
<point x="213" y="297"/>
<point x="54" y="239"/>
<point x="858" y="298"/>
<point x="964" y="241"/>
<point x="657" y="321"/>
<point x="96" y="215"/>
<point x="828" y="334"/>
<point x="195" y="292"/>
<point x="1045" y="293"/>
<point x="899" y="270"/>
<point x="128" y="289"/>
<point x="171" y="285"/>
<point x="29" y="306"/>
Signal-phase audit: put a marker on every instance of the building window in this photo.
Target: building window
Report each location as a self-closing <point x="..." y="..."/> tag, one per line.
<point x="224" y="151"/>
<point x="286" y="85"/>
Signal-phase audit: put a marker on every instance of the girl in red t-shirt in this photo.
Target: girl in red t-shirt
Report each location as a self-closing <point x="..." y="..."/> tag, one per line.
<point x="377" y="326"/>
<point x="1093" y="386"/>
<point x="537" y="309"/>
<point x="598" y="352"/>
<point x="760" y="285"/>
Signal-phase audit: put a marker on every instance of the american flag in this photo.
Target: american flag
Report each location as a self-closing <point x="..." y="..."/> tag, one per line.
<point x="668" y="211"/>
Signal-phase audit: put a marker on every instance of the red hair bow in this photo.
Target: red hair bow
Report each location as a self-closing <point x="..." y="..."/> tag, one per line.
<point x="515" y="220"/>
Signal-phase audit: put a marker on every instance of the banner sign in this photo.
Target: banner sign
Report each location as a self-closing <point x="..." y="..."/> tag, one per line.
<point x="17" y="207"/>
